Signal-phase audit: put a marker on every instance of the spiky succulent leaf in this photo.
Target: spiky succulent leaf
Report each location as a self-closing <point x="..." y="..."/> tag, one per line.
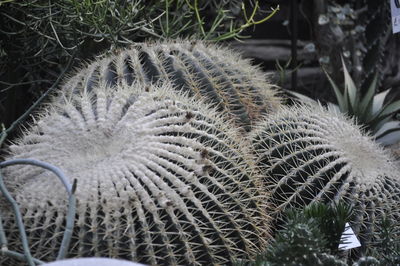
<point x="161" y="178"/>
<point x="309" y="154"/>
<point x="389" y="133"/>
<point x="386" y="111"/>
<point x="350" y="90"/>
<point x="203" y="69"/>
<point x="373" y="111"/>
<point x="340" y="97"/>
<point x="365" y="108"/>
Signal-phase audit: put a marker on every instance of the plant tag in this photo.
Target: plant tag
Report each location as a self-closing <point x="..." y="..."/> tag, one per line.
<point x="395" y="11"/>
<point x="349" y="239"/>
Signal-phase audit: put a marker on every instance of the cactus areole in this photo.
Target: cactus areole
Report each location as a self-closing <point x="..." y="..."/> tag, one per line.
<point x="310" y="154"/>
<point x="161" y="180"/>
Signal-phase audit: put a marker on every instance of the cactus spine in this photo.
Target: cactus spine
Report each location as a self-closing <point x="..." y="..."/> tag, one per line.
<point x="161" y="180"/>
<point x="310" y="154"/>
<point x="230" y="82"/>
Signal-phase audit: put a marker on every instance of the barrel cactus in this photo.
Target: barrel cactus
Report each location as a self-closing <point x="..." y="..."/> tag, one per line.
<point x="309" y="154"/>
<point x="161" y="180"/>
<point x="202" y="69"/>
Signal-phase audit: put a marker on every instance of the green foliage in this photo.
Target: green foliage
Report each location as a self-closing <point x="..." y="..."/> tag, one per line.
<point x="40" y="37"/>
<point x="371" y="110"/>
<point x="331" y="220"/>
<point x="374" y="112"/>
<point x="311" y="237"/>
<point x="386" y="246"/>
<point x="305" y="237"/>
<point x="43" y="27"/>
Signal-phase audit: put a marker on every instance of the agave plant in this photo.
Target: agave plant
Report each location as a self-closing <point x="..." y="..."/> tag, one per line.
<point x="374" y="112"/>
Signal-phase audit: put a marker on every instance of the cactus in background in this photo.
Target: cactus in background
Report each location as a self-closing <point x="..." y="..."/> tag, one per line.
<point x="161" y="179"/>
<point x="309" y="154"/>
<point x="202" y="69"/>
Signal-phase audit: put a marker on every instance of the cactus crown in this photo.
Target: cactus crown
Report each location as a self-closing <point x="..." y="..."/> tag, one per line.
<point x="161" y="180"/>
<point x="310" y="154"/>
<point x="203" y="69"/>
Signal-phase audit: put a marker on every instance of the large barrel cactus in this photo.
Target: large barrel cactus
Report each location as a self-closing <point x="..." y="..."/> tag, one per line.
<point x="309" y="154"/>
<point x="161" y="180"/>
<point x="203" y="69"/>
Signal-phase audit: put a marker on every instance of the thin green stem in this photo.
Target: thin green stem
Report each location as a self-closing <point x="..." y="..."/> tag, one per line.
<point x="199" y="20"/>
<point x="70" y="213"/>
<point x="167" y="18"/>
<point x="3" y="239"/>
<point x="3" y="134"/>
<point x="20" y="224"/>
<point x="69" y="225"/>
<point x="57" y="171"/>
<point x="267" y="17"/>
<point x="18" y="256"/>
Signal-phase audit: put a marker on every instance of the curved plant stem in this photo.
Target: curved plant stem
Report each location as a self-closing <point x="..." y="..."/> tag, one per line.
<point x="70" y="213"/>
<point x="20" y="224"/>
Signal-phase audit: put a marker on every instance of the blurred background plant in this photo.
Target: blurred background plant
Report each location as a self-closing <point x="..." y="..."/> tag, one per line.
<point x="39" y="37"/>
<point x="374" y="112"/>
<point x="357" y="30"/>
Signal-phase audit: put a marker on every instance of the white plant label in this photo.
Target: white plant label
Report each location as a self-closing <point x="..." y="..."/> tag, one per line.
<point x="395" y="11"/>
<point x="350" y="238"/>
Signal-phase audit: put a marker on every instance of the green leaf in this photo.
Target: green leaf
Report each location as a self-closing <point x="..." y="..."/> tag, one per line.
<point x="378" y="101"/>
<point x="350" y="88"/>
<point x="389" y="133"/>
<point x="366" y="102"/>
<point x="387" y="110"/>
<point x="339" y="96"/>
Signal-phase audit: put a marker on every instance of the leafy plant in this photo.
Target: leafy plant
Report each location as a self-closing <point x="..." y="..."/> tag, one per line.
<point x="40" y="36"/>
<point x="307" y="237"/>
<point x="374" y="112"/>
<point x="386" y="245"/>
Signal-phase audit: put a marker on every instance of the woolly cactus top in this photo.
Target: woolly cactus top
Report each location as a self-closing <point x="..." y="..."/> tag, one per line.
<point x="203" y="69"/>
<point x="161" y="180"/>
<point x="308" y="154"/>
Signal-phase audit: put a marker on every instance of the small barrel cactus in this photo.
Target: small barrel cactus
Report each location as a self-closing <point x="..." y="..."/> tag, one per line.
<point x="228" y="81"/>
<point x="161" y="180"/>
<point x="309" y="154"/>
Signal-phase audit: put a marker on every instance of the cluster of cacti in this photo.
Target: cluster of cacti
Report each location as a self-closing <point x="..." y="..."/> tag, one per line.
<point x="161" y="179"/>
<point x="202" y="69"/>
<point x="310" y="154"/>
<point x="153" y="136"/>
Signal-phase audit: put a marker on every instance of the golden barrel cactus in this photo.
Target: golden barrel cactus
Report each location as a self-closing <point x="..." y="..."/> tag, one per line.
<point x="161" y="180"/>
<point x="309" y="154"/>
<point x="202" y="69"/>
